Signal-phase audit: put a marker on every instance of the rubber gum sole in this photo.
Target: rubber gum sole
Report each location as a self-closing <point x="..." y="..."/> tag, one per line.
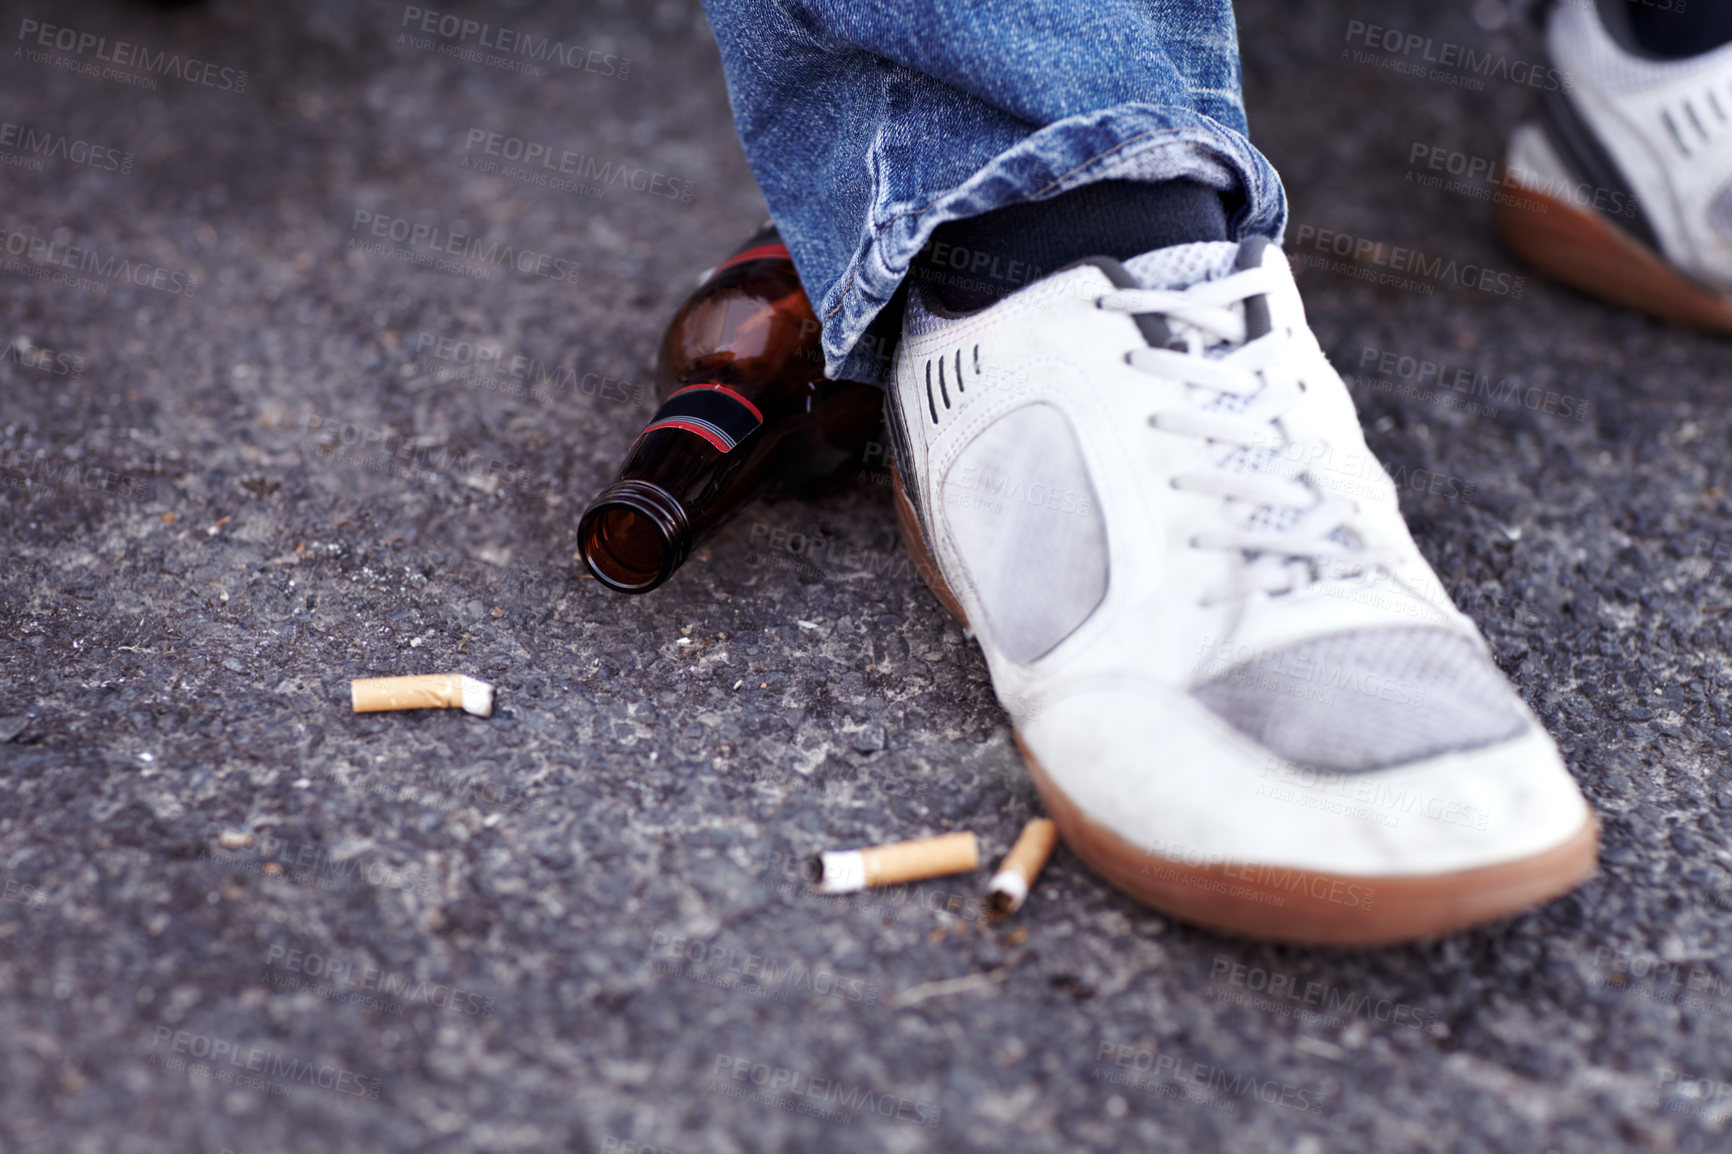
<point x="1581" y="248"/>
<point x="1288" y="904"/>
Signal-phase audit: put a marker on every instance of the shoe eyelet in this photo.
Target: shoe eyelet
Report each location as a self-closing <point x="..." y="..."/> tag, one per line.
<point x="1128" y="360"/>
<point x="1100" y="302"/>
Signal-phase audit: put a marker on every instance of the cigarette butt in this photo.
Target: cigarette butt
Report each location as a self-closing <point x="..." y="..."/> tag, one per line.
<point x="1016" y="873"/>
<point x="904" y="861"/>
<point x="431" y="691"/>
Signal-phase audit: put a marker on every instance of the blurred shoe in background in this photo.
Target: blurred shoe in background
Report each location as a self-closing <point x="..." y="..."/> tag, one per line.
<point x="1626" y="180"/>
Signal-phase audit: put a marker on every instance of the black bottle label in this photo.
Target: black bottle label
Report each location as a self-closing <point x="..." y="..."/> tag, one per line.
<point x="714" y="412"/>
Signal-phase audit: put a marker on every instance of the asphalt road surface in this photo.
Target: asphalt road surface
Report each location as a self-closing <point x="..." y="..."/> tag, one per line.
<point x="259" y="447"/>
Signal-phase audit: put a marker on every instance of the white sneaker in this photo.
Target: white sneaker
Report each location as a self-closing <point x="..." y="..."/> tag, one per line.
<point x="1244" y="696"/>
<point x="1625" y="188"/>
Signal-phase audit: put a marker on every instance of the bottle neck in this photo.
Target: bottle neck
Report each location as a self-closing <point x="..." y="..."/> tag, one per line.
<point x="634" y="535"/>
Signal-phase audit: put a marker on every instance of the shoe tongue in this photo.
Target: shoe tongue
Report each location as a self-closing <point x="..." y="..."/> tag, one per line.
<point x="1183" y="265"/>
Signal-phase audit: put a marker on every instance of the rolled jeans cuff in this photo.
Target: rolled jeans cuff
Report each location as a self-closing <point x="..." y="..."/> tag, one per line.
<point x="1130" y="142"/>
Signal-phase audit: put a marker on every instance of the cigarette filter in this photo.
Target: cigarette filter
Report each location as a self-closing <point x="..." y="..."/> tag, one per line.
<point x="905" y="861"/>
<point x="1010" y="885"/>
<point x="432" y="691"/>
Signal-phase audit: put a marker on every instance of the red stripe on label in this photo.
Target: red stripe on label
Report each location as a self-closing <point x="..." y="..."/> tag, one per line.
<point x="676" y="423"/>
<point x="762" y="252"/>
<point x="720" y="389"/>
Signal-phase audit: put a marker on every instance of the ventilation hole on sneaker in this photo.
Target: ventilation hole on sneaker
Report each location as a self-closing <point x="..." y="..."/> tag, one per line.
<point x="959" y="387"/>
<point x="977" y="360"/>
<point x="1714" y="103"/>
<point x="1672" y="130"/>
<point x="930" y="403"/>
<point x="942" y="391"/>
<point x="1690" y="111"/>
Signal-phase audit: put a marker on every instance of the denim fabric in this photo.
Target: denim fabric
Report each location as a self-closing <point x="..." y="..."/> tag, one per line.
<point x="869" y="123"/>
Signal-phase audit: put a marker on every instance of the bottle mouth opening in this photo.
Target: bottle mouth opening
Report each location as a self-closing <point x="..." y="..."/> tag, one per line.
<point x="633" y="536"/>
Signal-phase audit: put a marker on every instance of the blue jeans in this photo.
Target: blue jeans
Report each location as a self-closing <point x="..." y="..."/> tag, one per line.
<point x="869" y="123"/>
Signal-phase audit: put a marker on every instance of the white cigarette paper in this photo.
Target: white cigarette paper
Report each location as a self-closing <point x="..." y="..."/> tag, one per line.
<point x="429" y="691"/>
<point x="907" y="861"/>
<point x="1010" y="885"/>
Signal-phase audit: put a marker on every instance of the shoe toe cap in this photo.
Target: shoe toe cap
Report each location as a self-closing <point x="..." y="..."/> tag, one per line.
<point x="1167" y="775"/>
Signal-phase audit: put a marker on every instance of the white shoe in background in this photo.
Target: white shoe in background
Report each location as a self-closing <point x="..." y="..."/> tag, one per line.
<point x="1624" y="187"/>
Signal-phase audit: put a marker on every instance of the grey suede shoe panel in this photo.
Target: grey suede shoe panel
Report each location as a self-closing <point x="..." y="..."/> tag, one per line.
<point x="1022" y="511"/>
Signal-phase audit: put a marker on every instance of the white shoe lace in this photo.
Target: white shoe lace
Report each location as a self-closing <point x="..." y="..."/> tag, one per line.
<point x="1325" y="535"/>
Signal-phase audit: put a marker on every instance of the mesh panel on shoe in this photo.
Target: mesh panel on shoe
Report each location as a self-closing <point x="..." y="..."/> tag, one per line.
<point x="1183" y="265"/>
<point x="1367" y="700"/>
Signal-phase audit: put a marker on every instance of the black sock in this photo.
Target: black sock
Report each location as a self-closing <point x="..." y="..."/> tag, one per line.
<point x="1678" y="31"/>
<point x="969" y="264"/>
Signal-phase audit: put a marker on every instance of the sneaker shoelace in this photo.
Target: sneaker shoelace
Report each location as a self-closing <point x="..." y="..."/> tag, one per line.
<point x="1296" y="533"/>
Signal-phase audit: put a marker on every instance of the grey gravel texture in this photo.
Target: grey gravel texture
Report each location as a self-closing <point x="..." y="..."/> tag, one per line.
<point x="563" y="928"/>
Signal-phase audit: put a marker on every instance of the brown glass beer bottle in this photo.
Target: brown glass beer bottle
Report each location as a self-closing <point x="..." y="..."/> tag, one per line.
<point x="745" y="406"/>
